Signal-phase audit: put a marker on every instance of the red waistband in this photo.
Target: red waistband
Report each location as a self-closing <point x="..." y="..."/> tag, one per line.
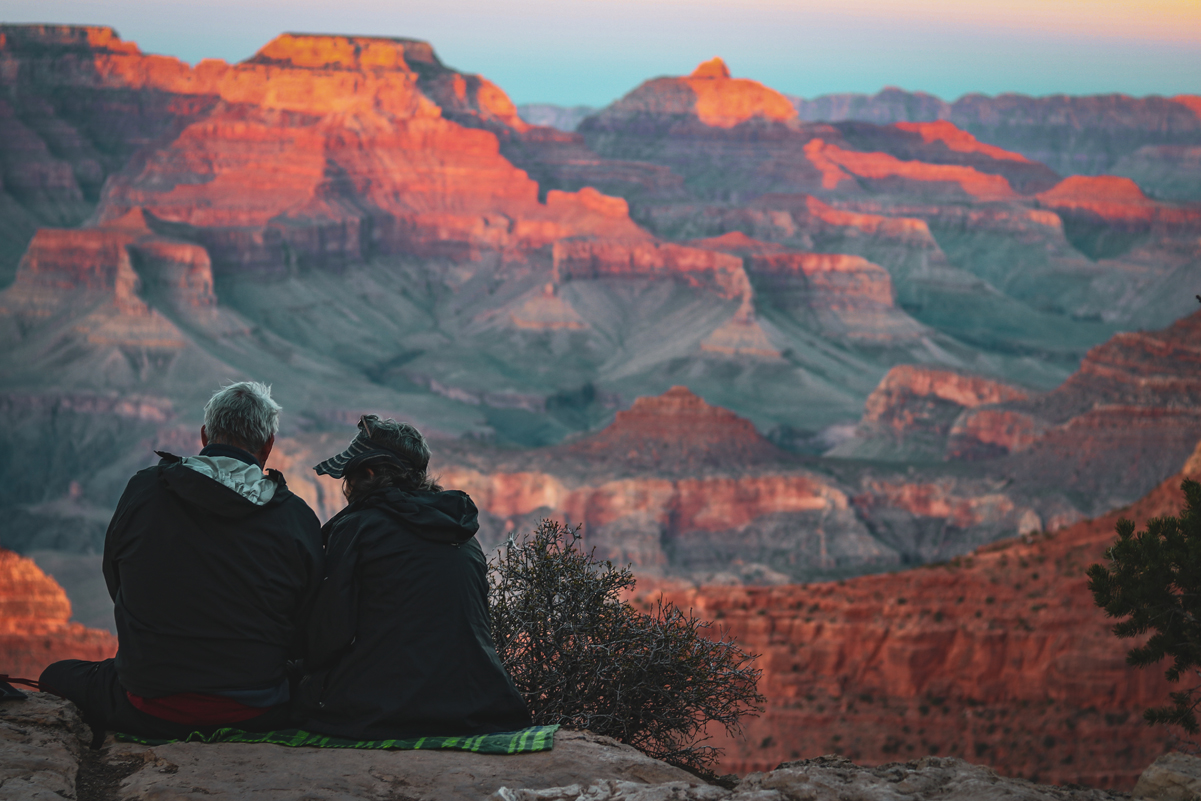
<point x="198" y="708"/>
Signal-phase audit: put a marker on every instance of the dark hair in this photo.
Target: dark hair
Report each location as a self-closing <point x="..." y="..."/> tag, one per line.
<point x="359" y="483"/>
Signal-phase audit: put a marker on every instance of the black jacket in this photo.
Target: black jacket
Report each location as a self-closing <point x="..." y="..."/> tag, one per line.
<point x="211" y="591"/>
<point x="400" y="634"/>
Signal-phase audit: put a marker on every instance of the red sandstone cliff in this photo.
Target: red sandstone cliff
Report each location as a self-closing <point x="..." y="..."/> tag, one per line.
<point x="34" y="622"/>
<point x="999" y="657"/>
<point x="674" y="485"/>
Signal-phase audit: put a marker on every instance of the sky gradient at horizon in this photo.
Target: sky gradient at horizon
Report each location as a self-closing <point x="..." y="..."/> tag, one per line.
<point x="590" y="52"/>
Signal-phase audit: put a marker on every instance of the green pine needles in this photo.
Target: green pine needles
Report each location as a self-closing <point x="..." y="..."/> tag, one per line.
<point x="1153" y="579"/>
<point x="586" y="659"/>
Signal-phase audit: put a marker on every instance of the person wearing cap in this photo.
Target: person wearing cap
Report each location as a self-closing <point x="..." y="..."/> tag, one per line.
<point x="399" y="641"/>
<point x="212" y="566"/>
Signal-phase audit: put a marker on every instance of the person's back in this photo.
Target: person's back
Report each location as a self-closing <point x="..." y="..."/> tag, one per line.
<point x="400" y="635"/>
<point x="207" y="584"/>
<point x="212" y="567"/>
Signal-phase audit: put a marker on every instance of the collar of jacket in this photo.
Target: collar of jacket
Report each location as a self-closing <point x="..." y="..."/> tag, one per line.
<point x="449" y="516"/>
<point x="215" y="496"/>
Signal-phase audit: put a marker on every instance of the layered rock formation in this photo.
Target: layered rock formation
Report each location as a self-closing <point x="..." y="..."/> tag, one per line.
<point x="35" y="627"/>
<point x="709" y="95"/>
<point x="999" y="657"/>
<point x="675" y="486"/>
<point x="1086" y="135"/>
<point x="679" y="488"/>
<point x="1111" y="430"/>
<point x="911" y="413"/>
<point x="844" y="296"/>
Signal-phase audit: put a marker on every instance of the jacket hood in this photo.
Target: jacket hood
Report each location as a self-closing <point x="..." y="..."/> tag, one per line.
<point x="222" y="485"/>
<point x="448" y="516"/>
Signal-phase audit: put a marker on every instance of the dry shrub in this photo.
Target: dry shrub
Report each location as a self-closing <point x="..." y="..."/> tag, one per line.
<point x="585" y="659"/>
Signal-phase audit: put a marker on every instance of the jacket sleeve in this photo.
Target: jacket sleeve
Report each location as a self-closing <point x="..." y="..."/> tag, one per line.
<point x="335" y="610"/>
<point x="312" y="557"/>
<point x="113" y="537"/>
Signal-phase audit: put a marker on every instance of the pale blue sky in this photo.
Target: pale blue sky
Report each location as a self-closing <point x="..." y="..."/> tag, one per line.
<point x="593" y="51"/>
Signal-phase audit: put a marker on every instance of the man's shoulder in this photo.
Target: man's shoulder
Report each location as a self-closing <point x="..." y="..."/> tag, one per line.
<point x="143" y="482"/>
<point x="288" y="505"/>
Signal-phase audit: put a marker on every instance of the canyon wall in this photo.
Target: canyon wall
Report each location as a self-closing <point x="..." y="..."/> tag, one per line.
<point x="999" y="657"/>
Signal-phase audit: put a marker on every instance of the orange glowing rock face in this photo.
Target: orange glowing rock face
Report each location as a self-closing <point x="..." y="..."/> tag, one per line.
<point x="370" y="146"/>
<point x="35" y="627"/>
<point x="838" y="165"/>
<point x="711" y="96"/>
<point x="999" y="657"/>
<point x="907" y="381"/>
<point x="1193" y="102"/>
<point x="958" y="139"/>
<point x="1108" y="196"/>
<point x="1121" y="203"/>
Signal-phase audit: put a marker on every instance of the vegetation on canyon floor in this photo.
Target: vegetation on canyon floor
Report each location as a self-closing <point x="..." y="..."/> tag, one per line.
<point x="1152" y="579"/>
<point x="584" y="658"/>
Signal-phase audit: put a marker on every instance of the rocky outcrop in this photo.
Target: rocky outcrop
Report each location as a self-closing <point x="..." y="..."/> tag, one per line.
<point x="1172" y="777"/>
<point x="914" y="410"/>
<point x="999" y="657"/>
<point x="1109" y="432"/>
<point x="842" y="295"/>
<point x="677" y="432"/>
<point x="35" y="627"/>
<point x="831" y="777"/>
<point x="44" y="756"/>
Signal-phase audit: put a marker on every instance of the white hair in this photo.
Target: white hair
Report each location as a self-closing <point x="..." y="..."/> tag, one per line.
<point x="242" y="414"/>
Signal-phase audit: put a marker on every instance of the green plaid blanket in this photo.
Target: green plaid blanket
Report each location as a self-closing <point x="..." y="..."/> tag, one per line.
<point x="526" y="741"/>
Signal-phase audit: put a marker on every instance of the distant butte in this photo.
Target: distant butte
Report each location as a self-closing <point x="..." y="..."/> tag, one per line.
<point x="677" y="430"/>
<point x="713" y="68"/>
<point x="708" y="95"/>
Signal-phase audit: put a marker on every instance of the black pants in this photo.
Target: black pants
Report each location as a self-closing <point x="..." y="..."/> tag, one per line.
<point x="94" y="688"/>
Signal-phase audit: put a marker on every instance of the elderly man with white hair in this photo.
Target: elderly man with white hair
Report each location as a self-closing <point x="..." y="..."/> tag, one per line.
<point x="212" y="566"/>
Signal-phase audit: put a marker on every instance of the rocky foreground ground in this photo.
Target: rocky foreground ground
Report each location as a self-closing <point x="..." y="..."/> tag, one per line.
<point x="44" y="755"/>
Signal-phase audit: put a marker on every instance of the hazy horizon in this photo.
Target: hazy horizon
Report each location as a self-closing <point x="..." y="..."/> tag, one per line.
<point x="591" y="52"/>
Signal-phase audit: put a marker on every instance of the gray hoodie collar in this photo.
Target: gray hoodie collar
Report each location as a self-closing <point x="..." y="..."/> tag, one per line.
<point x="245" y="479"/>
